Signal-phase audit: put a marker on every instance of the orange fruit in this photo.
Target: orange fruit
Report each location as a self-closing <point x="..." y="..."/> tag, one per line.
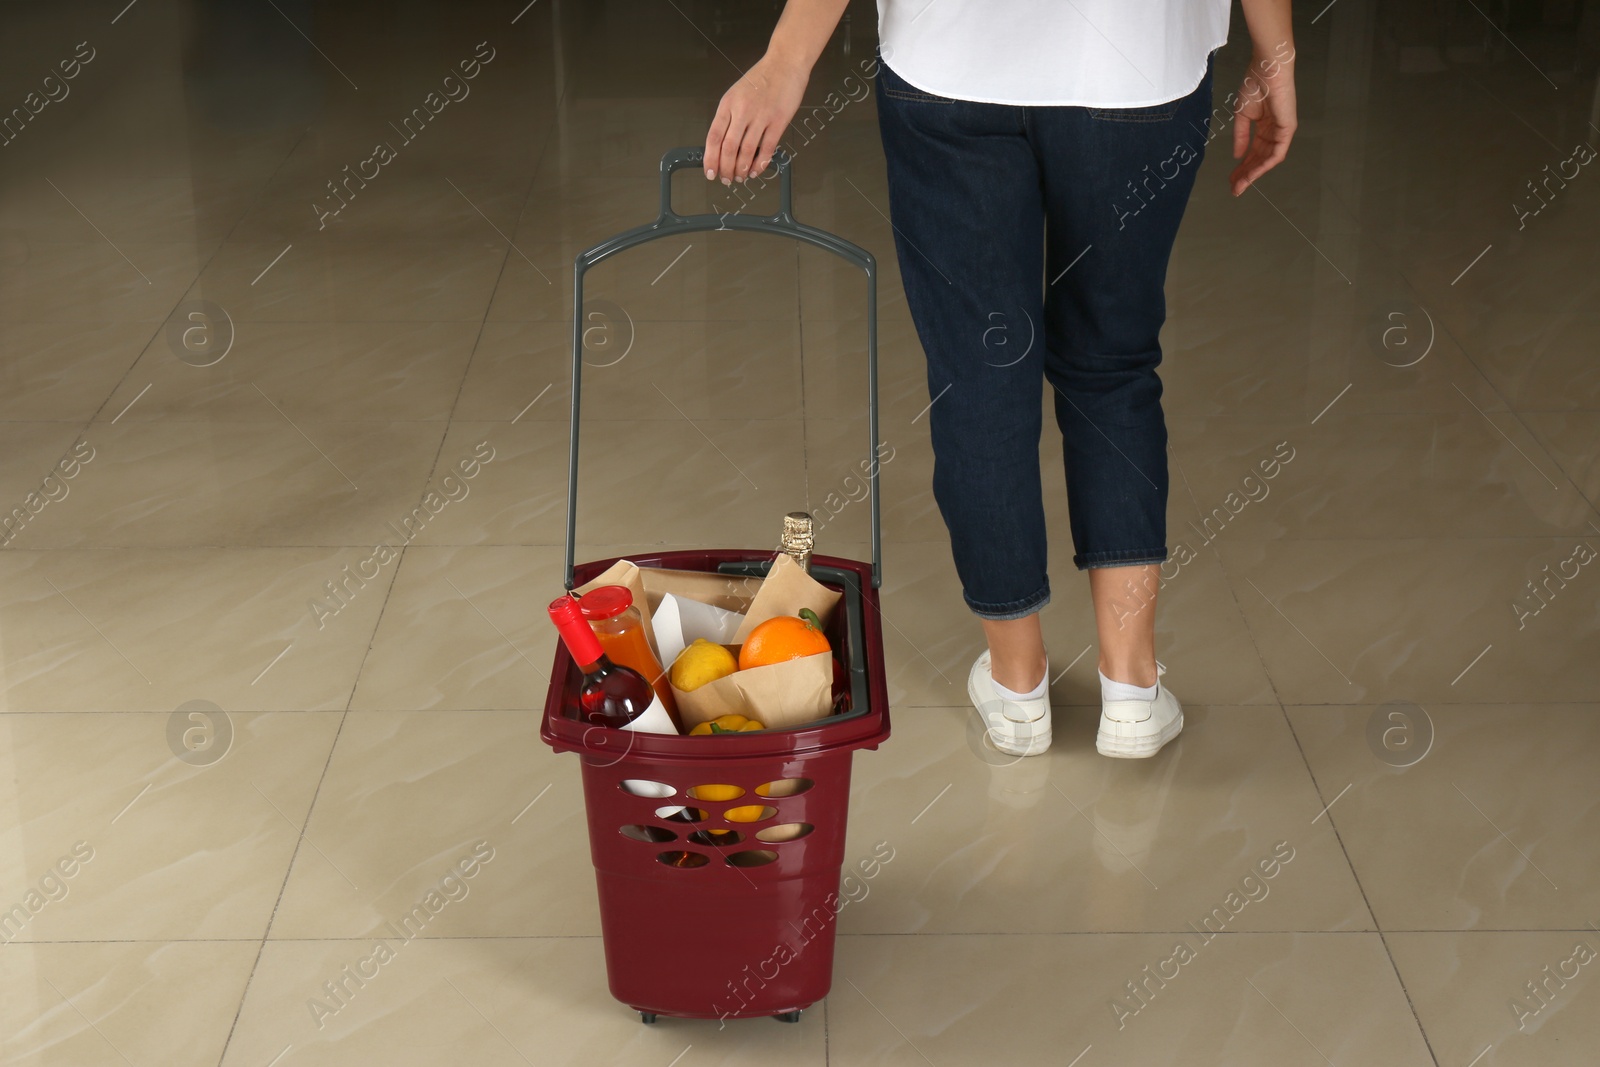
<point x="783" y="638"/>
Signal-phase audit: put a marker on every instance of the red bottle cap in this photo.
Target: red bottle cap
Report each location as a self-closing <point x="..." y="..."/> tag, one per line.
<point x="606" y="602"/>
<point x="579" y="638"/>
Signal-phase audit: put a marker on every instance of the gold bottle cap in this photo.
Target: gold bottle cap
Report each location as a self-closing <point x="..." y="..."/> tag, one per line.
<point x="797" y="538"/>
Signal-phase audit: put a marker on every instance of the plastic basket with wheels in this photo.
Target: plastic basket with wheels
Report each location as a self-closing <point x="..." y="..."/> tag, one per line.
<point x="725" y="908"/>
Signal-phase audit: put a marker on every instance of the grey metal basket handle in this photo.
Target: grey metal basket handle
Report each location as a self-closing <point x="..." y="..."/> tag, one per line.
<point x="678" y="158"/>
<point x="669" y="223"/>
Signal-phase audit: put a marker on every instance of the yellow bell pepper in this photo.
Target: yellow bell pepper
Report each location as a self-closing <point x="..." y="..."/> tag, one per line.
<point x="726" y="724"/>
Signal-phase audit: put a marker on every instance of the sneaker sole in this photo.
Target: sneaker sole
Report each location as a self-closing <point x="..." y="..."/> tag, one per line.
<point x="1036" y="746"/>
<point x="1109" y="744"/>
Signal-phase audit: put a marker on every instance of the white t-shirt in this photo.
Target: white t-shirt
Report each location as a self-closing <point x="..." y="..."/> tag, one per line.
<point x="1086" y="53"/>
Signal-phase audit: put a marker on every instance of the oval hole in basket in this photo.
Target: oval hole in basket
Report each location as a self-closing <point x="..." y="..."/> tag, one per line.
<point x="749" y="813"/>
<point x="678" y="813"/>
<point x="784" y="787"/>
<point x="716" y="792"/>
<point x="643" y="787"/>
<point x="682" y="858"/>
<point x="715" y="838"/>
<point x="650" y="835"/>
<point x="753" y="858"/>
<point x="788" y="831"/>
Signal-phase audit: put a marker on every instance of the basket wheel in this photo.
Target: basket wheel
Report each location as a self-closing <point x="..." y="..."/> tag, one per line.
<point x="788" y="1016"/>
<point x="647" y="1017"/>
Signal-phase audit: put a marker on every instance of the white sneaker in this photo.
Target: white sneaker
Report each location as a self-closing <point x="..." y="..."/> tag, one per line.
<point x="1018" y="728"/>
<point x="1134" y="729"/>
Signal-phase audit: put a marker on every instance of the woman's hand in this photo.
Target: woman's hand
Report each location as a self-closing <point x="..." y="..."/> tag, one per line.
<point x="1266" y="101"/>
<point x="752" y="117"/>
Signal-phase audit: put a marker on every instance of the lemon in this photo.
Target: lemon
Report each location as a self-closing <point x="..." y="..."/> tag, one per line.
<point x="700" y="663"/>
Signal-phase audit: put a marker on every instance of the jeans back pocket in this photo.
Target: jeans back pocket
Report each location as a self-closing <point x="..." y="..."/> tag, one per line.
<point x="1149" y="113"/>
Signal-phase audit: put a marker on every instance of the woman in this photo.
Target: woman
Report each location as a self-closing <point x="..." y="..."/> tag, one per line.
<point x="1040" y="155"/>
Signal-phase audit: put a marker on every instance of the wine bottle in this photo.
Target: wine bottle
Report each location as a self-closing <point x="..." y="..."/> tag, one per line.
<point x="797" y="541"/>
<point x="610" y="695"/>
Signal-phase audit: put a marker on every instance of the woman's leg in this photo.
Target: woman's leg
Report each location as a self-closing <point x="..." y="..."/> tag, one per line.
<point x="964" y="197"/>
<point x="1125" y="624"/>
<point x="969" y="224"/>
<point x="1016" y="652"/>
<point x="1125" y="621"/>
<point x="1116" y="184"/>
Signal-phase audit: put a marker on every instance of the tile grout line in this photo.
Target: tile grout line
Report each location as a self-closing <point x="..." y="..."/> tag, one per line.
<point x="1283" y="710"/>
<point x="1371" y="914"/>
<point x="1233" y="591"/>
<point x="160" y="326"/>
<point x="383" y="608"/>
<point x="477" y="343"/>
<point x="345" y="713"/>
<point x="827" y="1042"/>
<point x="283" y="887"/>
<point x="449" y="420"/>
<point x="441" y="938"/>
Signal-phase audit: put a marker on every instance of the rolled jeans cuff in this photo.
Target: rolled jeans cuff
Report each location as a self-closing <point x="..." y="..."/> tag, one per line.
<point x="1085" y="561"/>
<point x="1016" y="609"/>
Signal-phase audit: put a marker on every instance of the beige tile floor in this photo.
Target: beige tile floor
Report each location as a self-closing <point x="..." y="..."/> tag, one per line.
<point x="262" y="400"/>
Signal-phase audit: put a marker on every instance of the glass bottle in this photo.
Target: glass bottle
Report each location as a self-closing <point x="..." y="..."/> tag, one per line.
<point x="797" y="539"/>
<point x="610" y="695"/>
<point x="616" y="621"/>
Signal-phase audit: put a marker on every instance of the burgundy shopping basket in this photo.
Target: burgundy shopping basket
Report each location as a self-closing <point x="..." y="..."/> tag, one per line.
<point x="704" y="916"/>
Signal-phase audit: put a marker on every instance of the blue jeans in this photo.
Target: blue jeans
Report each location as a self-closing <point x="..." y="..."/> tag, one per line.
<point x="1033" y="246"/>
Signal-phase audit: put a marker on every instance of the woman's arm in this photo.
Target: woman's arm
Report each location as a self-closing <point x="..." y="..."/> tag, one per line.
<point x="756" y="110"/>
<point x="1266" y="98"/>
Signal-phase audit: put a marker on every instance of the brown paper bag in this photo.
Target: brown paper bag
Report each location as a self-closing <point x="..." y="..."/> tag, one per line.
<point x="777" y="695"/>
<point x="786" y="589"/>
